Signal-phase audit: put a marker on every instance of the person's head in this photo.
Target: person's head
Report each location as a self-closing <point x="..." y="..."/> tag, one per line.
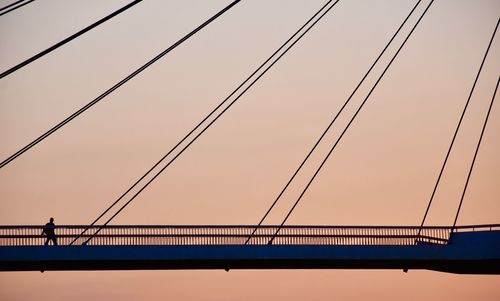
<point x="51" y="219"/>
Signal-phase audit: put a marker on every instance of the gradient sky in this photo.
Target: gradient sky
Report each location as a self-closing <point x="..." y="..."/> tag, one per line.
<point x="382" y="173"/>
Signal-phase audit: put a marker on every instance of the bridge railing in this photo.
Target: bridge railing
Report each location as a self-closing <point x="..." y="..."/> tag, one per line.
<point x="235" y="235"/>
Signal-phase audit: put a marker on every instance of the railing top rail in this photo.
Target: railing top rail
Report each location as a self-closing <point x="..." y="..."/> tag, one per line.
<point x="464" y="227"/>
<point x="31" y="235"/>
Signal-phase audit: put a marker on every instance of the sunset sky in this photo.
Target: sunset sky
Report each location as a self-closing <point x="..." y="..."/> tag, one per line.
<point x="382" y="172"/>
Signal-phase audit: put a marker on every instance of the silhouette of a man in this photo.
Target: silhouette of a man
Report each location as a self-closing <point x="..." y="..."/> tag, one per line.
<point x="49" y="230"/>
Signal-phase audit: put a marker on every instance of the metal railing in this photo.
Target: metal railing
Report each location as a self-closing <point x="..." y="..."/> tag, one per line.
<point x="235" y="235"/>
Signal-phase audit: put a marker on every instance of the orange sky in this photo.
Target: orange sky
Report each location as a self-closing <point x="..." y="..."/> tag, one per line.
<point x="382" y="173"/>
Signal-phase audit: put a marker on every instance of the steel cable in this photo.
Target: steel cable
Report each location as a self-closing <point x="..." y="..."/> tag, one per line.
<point x="116" y="86"/>
<point x="68" y="39"/>
<point x="348" y="125"/>
<point x="331" y="124"/>
<point x="457" y="129"/>
<point x="15" y="7"/>
<point x="475" y="156"/>
<point x="218" y="115"/>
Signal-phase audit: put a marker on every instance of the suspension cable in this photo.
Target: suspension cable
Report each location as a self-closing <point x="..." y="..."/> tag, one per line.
<point x="456" y="131"/>
<point x="200" y="123"/>
<point x="474" y="159"/>
<point x="331" y="124"/>
<point x="116" y="86"/>
<point x="217" y="116"/>
<point x="9" y="5"/>
<point x="348" y="125"/>
<point x="68" y="39"/>
<point x="15" y="7"/>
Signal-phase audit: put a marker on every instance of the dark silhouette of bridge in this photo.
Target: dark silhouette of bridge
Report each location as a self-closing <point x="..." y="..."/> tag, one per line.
<point x="468" y="249"/>
<point x="471" y="249"/>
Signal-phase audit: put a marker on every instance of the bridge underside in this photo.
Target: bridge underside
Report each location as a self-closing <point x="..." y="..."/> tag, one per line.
<point x="467" y="253"/>
<point x="449" y="266"/>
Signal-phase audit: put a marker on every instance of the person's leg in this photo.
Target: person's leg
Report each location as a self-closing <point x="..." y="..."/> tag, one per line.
<point x="47" y="241"/>
<point x="54" y="240"/>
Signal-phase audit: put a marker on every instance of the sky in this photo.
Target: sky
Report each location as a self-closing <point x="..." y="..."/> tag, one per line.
<point x="382" y="172"/>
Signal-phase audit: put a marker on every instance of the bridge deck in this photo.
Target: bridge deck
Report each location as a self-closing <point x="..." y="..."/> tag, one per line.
<point x="471" y="249"/>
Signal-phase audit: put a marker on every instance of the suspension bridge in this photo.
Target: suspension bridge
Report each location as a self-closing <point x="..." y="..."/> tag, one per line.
<point x="470" y="249"/>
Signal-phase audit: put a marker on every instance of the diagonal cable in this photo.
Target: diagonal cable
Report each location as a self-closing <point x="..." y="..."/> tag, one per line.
<point x="68" y="39"/>
<point x="475" y="156"/>
<point x="348" y="125"/>
<point x="116" y="86"/>
<point x="456" y="130"/>
<point x="331" y="124"/>
<point x="201" y="122"/>
<point x="15" y="7"/>
<point x="210" y="124"/>
<point x="12" y="4"/>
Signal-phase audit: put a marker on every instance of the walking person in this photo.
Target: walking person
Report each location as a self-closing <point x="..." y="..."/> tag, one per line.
<point x="49" y="230"/>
